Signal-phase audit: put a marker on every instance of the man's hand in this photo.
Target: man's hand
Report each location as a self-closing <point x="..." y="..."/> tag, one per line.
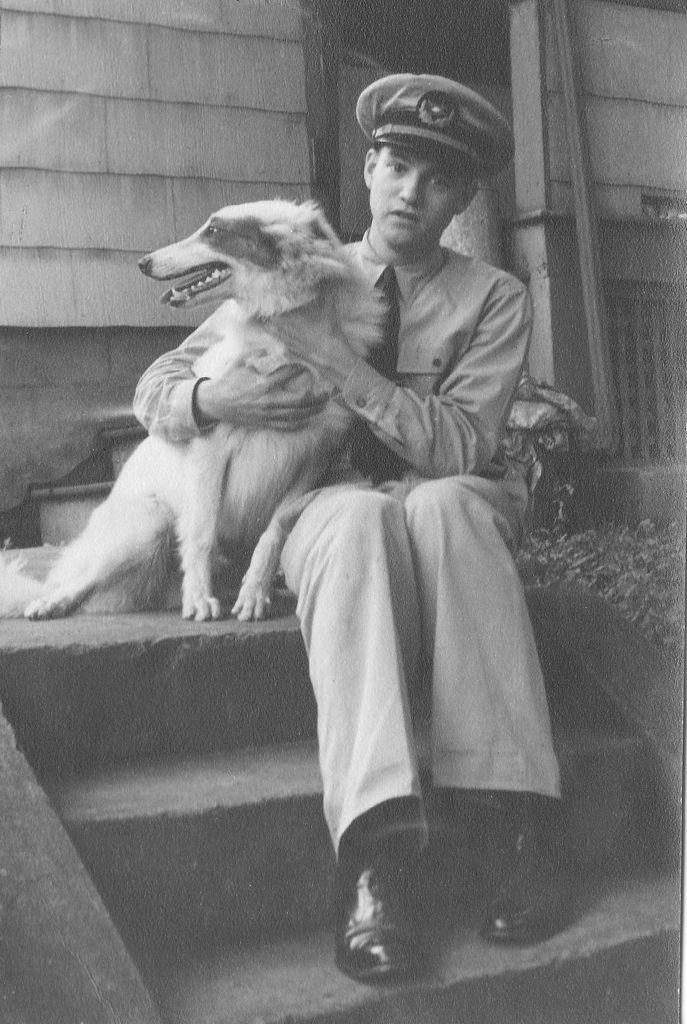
<point x="320" y="342"/>
<point x="283" y="400"/>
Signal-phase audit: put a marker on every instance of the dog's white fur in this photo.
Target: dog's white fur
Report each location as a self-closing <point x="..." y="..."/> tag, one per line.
<point x="232" y="485"/>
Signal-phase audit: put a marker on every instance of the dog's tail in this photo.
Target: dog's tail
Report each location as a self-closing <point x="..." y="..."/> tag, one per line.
<point x="17" y="589"/>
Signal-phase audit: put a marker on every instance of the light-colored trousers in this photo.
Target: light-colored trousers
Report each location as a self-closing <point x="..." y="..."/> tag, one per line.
<point x="384" y="583"/>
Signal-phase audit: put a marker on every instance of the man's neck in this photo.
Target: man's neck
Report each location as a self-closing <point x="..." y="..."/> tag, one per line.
<point x="398" y="257"/>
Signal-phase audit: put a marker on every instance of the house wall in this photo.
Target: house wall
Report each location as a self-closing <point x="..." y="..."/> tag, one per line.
<point x="122" y="127"/>
<point x="634" y="77"/>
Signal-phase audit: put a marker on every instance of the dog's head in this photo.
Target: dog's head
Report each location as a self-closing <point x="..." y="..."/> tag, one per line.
<point x="269" y="256"/>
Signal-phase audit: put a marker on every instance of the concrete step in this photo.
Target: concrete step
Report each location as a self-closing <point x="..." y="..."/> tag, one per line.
<point x="616" y="963"/>
<point x="199" y="851"/>
<point x="97" y="690"/>
<point x="140" y="726"/>
<point x="91" y="690"/>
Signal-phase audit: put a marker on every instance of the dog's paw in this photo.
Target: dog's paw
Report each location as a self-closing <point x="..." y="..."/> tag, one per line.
<point x="254" y="601"/>
<point x="201" y="607"/>
<point x="49" y="608"/>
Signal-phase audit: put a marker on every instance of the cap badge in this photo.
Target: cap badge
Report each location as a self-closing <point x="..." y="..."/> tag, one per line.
<point x="435" y="110"/>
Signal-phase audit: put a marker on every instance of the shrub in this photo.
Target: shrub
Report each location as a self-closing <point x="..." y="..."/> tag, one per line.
<point x="639" y="570"/>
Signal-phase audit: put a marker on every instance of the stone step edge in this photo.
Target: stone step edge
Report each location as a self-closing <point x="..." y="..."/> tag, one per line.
<point x="81" y="633"/>
<point x="294" y="979"/>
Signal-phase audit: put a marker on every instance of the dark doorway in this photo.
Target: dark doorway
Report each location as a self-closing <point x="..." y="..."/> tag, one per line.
<point x="463" y="39"/>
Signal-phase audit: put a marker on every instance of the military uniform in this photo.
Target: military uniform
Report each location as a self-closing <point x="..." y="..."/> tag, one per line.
<point x="385" y="586"/>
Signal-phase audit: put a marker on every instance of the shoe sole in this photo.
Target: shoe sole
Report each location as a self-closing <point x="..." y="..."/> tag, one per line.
<point x="384" y="972"/>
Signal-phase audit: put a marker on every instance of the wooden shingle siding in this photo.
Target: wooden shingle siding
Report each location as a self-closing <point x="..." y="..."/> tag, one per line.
<point x="193" y="199"/>
<point x="77" y="211"/>
<point x="635" y="79"/>
<point x="147" y="62"/>
<point x="628" y="52"/>
<point x="57" y="131"/>
<point x="275" y="19"/>
<point x="185" y="140"/>
<point x="229" y="70"/>
<point x="123" y="125"/>
<point x="72" y="55"/>
<point x="134" y="212"/>
<point x="81" y="288"/>
<point x="629" y="145"/>
<point x="72" y="132"/>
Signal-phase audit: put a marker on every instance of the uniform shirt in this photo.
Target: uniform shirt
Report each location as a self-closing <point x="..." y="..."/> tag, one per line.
<point x="464" y="335"/>
<point x="463" y="340"/>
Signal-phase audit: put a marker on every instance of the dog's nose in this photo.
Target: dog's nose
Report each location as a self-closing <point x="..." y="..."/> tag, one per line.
<point x="144" y="264"/>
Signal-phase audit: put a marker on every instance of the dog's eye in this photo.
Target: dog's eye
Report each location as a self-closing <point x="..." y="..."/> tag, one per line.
<point x="211" y="229"/>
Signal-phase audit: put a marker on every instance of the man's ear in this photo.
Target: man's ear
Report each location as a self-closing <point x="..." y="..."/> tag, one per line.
<point x="371" y="158"/>
<point x="465" y="193"/>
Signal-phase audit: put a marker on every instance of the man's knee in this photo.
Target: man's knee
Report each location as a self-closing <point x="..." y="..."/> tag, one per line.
<point x="346" y="526"/>
<point x="432" y="501"/>
<point x="359" y="517"/>
<point x="460" y="505"/>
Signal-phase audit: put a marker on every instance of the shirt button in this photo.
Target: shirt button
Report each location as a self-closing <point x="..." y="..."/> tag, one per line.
<point x="360" y="402"/>
<point x="436" y="361"/>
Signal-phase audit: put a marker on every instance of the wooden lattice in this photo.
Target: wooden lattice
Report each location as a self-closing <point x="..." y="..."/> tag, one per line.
<point x="648" y="338"/>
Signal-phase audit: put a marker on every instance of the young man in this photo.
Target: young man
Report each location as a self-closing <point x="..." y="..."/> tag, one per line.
<point x="389" y="581"/>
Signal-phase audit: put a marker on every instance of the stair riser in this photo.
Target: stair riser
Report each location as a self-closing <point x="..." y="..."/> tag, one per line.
<point x="233" y="872"/>
<point x="76" y="708"/>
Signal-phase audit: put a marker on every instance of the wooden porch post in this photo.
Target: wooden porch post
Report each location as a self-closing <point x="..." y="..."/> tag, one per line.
<point x="585" y="215"/>
<point x="321" y="90"/>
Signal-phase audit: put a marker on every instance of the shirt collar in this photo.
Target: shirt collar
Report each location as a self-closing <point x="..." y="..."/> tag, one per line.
<point x="410" y="276"/>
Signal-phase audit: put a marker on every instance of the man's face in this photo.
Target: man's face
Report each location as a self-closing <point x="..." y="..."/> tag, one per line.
<point x="412" y="201"/>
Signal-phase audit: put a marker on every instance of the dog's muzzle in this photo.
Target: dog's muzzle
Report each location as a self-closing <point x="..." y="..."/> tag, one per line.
<point x="195" y="281"/>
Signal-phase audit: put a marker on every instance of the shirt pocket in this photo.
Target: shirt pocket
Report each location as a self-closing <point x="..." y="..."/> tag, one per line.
<point x="422" y="369"/>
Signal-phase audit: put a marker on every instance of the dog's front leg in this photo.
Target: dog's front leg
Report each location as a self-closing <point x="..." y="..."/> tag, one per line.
<point x="197" y="525"/>
<point x="255" y="596"/>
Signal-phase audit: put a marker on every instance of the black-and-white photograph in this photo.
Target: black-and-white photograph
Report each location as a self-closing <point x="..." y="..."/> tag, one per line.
<point x="343" y="508"/>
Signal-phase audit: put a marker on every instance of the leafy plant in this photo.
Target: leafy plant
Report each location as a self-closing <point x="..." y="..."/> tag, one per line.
<point x="640" y="570"/>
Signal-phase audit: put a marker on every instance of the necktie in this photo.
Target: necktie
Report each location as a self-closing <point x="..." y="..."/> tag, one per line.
<point x="368" y="454"/>
<point x="385" y="356"/>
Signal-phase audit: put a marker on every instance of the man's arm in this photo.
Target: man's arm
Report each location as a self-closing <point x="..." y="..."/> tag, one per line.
<point x="457" y="430"/>
<point x="172" y="402"/>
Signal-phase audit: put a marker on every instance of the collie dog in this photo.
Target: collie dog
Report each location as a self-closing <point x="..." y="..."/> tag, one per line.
<point x="184" y="503"/>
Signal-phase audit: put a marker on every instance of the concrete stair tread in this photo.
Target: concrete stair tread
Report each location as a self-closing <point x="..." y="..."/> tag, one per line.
<point x="294" y="979"/>
<point x="193" y="786"/>
<point x="217" y="846"/>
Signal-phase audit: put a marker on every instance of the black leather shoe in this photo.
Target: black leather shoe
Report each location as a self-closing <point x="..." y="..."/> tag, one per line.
<point x="374" y="938"/>
<point x="532" y="903"/>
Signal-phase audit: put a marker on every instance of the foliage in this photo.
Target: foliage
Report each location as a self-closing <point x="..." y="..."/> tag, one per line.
<point x="639" y="570"/>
